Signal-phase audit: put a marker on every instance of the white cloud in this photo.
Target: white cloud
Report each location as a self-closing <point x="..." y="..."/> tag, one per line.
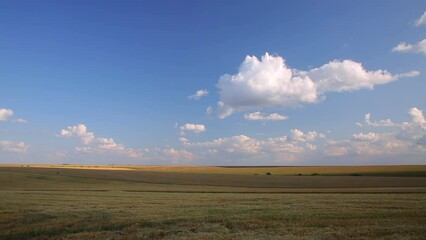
<point x="240" y="143"/>
<point x="209" y="110"/>
<point x="5" y="114"/>
<point x="406" y="138"/>
<point x="282" y="145"/>
<point x="381" y="123"/>
<point x="368" y="144"/>
<point x="334" y="150"/>
<point x="93" y="144"/>
<point x="258" y="116"/>
<point x="20" y="120"/>
<point x="108" y="144"/>
<point x="403" y="47"/>
<point x="346" y="75"/>
<point x="408" y="74"/>
<point x="16" y="147"/>
<point x="263" y="83"/>
<point x="224" y="110"/>
<point x="80" y="131"/>
<point x="177" y="156"/>
<point x="300" y="136"/>
<point x="417" y="117"/>
<point x="421" y="20"/>
<point x="191" y="127"/>
<point x="269" y="82"/>
<point x="198" y="94"/>
<point x="168" y="155"/>
<point x="398" y="140"/>
<point x="282" y="149"/>
<point x="311" y="146"/>
<point x="369" y="137"/>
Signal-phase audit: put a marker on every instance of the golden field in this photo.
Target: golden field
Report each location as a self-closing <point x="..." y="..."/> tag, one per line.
<point x="279" y="170"/>
<point x="158" y="202"/>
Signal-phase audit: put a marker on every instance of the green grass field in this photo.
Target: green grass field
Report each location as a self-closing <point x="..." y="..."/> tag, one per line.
<point x="54" y="202"/>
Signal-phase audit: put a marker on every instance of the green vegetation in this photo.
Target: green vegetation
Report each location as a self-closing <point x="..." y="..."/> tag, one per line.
<point x="37" y="203"/>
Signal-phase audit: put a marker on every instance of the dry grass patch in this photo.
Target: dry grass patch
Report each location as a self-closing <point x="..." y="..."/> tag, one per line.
<point x="118" y="215"/>
<point x="38" y="203"/>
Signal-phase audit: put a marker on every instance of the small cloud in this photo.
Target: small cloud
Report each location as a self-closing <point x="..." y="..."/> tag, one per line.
<point x="336" y="151"/>
<point x="311" y="146"/>
<point x="409" y="74"/>
<point x="92" y="144"/>
<point x="19" y="120"/>
<point x="418" y="117"/>
<point x="5" y="114"/>
<point x="421" y="20"/>
<point x="177" y="156"/>
<point x="199" y="94"/>
<point x="61" y="154"/>
<point x="404" y="47"/>
<point x="381" y="123"/>
<point x="258" y="116"/>
<point x="235" y="144"/>
<point x="209" y="110"/>
<point x="16" y="147"/>
<point x="300" y="136"/>
<point x="191" y="127"/>
<point x="367" y="137"/>
<point x="80" y="131"/>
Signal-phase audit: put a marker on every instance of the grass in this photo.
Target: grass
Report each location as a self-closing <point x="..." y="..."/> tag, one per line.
<point x="388" y="170"/>
<point x="206" y="182"/>
<point x="38" y="203"/>
<point x="121" y="215"/>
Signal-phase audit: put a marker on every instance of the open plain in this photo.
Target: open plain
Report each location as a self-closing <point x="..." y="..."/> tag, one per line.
<point x="158" y="202"/>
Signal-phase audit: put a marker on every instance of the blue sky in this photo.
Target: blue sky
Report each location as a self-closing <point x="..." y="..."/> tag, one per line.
<point x="101" y="82"/>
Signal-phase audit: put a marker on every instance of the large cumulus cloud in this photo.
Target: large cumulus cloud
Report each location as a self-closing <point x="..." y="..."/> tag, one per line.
<point x="269" y="82"/>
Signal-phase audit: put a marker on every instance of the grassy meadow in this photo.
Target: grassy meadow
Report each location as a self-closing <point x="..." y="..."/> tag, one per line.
<point x="119" y="202"/>
<point x="381" y="170"/>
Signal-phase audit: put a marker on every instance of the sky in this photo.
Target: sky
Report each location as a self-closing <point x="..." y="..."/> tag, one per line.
<point x="213" y="82"/>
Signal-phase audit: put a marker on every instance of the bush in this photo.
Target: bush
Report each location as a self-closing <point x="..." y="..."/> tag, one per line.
<point x="315" y="174"/>
<point x="268" y="173"/>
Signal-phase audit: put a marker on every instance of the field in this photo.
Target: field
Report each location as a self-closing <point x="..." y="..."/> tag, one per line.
<point x="155" y="202"/>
